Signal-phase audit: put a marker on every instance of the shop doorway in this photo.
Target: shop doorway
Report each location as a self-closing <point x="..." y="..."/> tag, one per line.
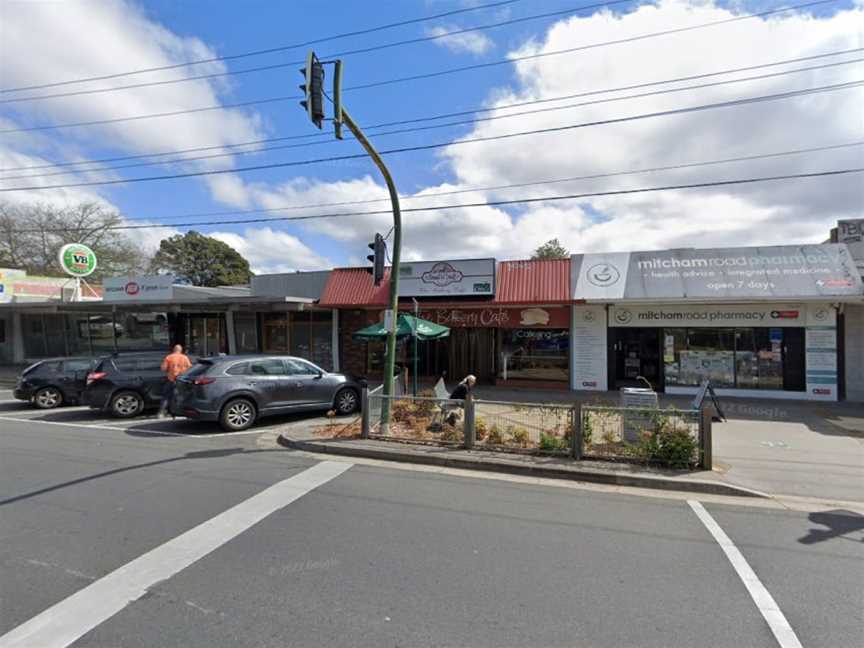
<point x="471" y="351"/>
<point x="794" y="376"/>
<point x="206" y="335"/>
<point x="636" y="352"/>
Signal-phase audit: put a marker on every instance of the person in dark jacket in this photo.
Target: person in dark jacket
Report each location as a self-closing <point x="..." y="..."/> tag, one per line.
<point x="461" y="393"/>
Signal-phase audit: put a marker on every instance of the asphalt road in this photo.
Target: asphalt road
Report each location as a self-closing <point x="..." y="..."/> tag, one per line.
<point x="151" y="533"/>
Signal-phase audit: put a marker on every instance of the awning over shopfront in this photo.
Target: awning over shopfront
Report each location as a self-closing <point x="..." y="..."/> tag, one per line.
<point x="517" y="283"/>
<point x="771" y="273"/>
<point x="406" y="327"/>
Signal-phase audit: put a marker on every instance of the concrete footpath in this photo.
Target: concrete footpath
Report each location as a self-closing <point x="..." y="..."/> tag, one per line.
<point x="790" y="449"/>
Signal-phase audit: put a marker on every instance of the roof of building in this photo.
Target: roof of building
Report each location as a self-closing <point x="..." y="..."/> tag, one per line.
<point x="518" y="283"/>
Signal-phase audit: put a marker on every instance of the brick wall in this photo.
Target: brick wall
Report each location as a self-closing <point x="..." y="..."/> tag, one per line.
<point x="854" y="360"/>
<point x="352" y="355"/>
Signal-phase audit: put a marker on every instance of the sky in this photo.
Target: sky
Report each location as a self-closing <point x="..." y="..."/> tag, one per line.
<point x="613" y="48"/>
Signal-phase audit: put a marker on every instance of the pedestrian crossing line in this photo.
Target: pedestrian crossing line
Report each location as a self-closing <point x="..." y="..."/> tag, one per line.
<point x="771" y="612"/>
<point x="70" y="619"/>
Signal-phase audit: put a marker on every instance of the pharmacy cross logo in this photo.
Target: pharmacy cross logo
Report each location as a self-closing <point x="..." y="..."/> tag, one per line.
<point x="603" y="274"/>
<point x="442" y="274"/>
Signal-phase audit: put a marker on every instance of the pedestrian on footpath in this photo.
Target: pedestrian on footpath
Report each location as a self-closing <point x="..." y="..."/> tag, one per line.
<point x="174" y="364"/>
<point x="461" y="393"/>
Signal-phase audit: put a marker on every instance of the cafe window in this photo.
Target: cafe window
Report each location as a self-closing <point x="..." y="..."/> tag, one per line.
<point x="534" y="354"/>
<point x="746" y="358"/>
<point x="246" y="332"/>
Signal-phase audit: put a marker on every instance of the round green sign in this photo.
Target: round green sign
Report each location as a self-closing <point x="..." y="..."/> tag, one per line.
<point x="77" y="260"/>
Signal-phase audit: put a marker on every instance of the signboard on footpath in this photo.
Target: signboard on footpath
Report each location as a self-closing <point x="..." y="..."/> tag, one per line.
<point x="142" y="288"/>
<point x="447" y="278"/>
<point x="588" y="367"/>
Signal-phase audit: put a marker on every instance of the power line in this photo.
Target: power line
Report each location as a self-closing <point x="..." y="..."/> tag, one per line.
<point x="362" y="50"/>
<point x="406" y="121"/>
<point x="595" y="176"/>
<point x="269" y="50"/>
<point x="277" y="165"/>
<point x="451" y="124"/>
<point x="491" y="203"/>
<point x="476" y="66"/>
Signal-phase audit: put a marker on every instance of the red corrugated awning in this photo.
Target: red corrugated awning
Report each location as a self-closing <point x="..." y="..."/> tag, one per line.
<point x="518" y="283"/>
<point x="533" y="282"/>
<point x="353" y="287"/>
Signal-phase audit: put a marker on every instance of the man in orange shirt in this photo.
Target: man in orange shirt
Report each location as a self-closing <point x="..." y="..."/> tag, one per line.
<point x="174" y="364"/>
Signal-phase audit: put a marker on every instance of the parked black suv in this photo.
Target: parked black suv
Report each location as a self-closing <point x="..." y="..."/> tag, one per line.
<point x="127" y="384"/>
<point x="53" y="382"/>
<point x="236" y="390"/>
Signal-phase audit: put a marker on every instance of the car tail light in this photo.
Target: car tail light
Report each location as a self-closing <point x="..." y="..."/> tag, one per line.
<point x="202" y="381"/>
<point x="93" y="376"/>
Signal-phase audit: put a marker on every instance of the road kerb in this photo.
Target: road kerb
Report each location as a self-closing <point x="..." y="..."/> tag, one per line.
<point x="479" y="461"/>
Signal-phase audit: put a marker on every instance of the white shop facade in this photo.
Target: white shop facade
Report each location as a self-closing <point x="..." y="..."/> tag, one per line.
<point x="763" y="322"/>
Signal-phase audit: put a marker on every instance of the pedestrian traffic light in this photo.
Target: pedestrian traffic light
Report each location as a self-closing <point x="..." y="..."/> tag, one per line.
<point x="377" y="260"/>
<point x="313" y="89"/>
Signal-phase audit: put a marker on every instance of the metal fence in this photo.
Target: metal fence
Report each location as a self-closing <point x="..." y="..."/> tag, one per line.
<point x="525" y="427"/>
<point x="670" y="436"/>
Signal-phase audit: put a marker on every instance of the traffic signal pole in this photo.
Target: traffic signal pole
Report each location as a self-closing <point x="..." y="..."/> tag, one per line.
<point x="390" y="357"/>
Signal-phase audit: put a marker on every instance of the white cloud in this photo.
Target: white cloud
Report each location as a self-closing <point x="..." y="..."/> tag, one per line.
<point x="105" y="37"/>
<point x="269" y="250"/>
<point x="469" y="42"/>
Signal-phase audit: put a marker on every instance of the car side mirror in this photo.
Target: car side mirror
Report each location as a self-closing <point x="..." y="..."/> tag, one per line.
<point x="319" y="376"/>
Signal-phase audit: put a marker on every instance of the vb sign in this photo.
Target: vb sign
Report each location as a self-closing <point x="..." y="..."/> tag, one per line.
<point x="77" y="260"/>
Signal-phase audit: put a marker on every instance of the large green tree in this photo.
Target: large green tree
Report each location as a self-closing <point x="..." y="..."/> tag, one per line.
<point x="201" y="261"/>
<point x="551" y="249"/>
<point x="31" y="235"/>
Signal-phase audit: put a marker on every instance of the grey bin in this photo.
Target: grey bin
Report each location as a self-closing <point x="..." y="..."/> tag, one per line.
<point x="635" y="421"/>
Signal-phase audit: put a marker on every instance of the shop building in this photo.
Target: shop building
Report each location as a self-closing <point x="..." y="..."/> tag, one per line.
<point x="760" y="321"/>
<point x="509" y="321"/>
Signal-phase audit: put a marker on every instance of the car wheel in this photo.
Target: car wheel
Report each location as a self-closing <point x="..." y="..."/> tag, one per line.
<point x="48" y="398"/>
<point x="237" y="415"/>
<point x="346" y="402"/>
<point x="126" y="404"/>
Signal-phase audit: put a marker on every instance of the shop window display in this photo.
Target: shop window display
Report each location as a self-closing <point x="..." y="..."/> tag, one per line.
<point x="534" y="354"/>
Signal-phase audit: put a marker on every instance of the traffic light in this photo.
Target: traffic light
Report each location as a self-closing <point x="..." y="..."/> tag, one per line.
<point x="313" y="89"/>
<point x="377" y="260"/>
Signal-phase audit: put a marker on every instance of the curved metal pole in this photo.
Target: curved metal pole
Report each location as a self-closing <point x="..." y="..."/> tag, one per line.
<point x="390" y="357"/>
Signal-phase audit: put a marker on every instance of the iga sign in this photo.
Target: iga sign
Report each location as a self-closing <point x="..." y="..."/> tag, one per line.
<point x="131" y="289"/>
<point x="447" y="278"/>
<point x="77" y="260"/>
<point x="514" y="318"/>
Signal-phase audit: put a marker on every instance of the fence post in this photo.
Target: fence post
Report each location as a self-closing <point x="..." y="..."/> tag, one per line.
<point x="468" y="431"/>
<point x="576" y="439"/>
<point x="706" y="438"/>
<point x="364" y="411"/>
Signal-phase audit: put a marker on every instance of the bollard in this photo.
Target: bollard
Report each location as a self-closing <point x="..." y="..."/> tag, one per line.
<point x="468" y="426"/>
<point x="576" y="436"/>
<point x="706" y="439"/>
<point x="364" y="412"/>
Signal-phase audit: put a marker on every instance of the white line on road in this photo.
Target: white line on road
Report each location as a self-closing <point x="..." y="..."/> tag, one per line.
<point x="783" y="632"/>
<point x="70" y="619"/>
<point x="132" y="428"/>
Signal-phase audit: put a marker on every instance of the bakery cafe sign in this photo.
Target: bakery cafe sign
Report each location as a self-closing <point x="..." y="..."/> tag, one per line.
<point x="499" y="317"/>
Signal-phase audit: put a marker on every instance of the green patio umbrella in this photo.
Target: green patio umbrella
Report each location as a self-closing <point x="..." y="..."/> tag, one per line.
<point x="405" y="327"/>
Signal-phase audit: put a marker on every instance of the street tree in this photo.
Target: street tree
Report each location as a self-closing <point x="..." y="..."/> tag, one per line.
<point x="31" y="235"/>
<point x="201" y="260"/>
<point x="551" y="249"/>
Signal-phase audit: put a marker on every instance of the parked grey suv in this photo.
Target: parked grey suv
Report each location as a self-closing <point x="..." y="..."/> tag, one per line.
<point x="237" y="390"/>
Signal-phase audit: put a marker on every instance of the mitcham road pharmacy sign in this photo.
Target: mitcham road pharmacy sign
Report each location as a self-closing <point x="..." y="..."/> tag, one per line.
<point x="77" y="260"/>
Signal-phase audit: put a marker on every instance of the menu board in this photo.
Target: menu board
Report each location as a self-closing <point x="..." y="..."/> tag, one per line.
<point x="588" y="348"/>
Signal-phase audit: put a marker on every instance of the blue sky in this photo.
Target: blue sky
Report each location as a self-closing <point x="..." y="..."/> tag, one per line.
<point x="225" y="28"/>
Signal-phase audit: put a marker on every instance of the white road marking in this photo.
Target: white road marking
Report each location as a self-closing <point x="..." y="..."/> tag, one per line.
<point x="775" y="618"/>
<point x="120" y="428"/>
<point x="70" y="619"/>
